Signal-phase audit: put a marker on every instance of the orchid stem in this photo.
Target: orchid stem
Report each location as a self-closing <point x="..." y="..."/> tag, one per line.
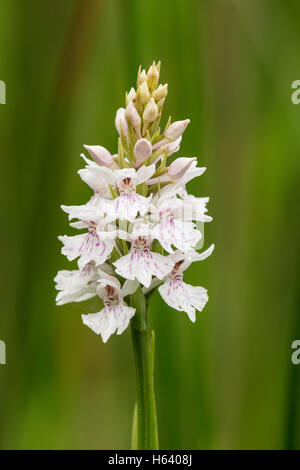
<point x="144" y="435"/>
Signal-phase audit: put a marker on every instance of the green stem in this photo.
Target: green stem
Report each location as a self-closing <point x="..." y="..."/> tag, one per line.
<point x="145" y="434"/>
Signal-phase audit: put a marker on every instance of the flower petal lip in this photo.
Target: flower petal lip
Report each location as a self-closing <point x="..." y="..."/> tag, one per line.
<point x="184" y="297"/>
<point x="92" y="210"/>
<point x="128" y="206"/>
<point x="116" y="314"/>
<point x="109" y="320"/>
<point x="77" y="285"/>
<point x="87" y="247"/>
<point x="142" y="264"/>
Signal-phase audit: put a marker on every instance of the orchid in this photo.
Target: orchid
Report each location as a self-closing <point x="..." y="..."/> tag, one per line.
<point x="141" y="263"/>
<point x="128" y="204"/>
<point x="178" y="294"/>
<point x="116" y="314"/>
<point x="141" y="231"/>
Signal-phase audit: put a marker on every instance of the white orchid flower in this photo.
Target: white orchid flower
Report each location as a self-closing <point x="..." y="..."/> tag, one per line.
<point x="129" y="203"/>
<point x="141" y="263"/>
<point x="116" y="314"/>
<point x="174" y="226"/>
<point x="179" y="295"/>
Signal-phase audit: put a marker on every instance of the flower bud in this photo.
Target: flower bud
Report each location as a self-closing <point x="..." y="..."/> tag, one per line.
<point x="153" y="76"/>
<point x="161" y="92"/>
<point x="131" y="96"/>
<point x="161" y="103"/>
<point x="120" y="121"/>
<point x="133" y="116"/>
<point x="176" y="129"/>
<point x="100" y="155"/>
<point x="173" y="146"/>
<point x="163" y="145"/>
<point x="179" y="167"/>
<point x="151" y="111"/>
<point x="142" y="76"/>
<point x="143" y="93"/>
<point x="142" y="151"/>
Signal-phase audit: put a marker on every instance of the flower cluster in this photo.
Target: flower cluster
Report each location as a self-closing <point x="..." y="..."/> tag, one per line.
<point x="140" y="225"/>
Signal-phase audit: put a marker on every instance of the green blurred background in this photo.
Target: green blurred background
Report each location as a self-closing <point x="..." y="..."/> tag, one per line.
<point x="226" y="382"/>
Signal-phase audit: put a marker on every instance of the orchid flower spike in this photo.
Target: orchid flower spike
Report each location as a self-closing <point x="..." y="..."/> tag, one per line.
<point x="140" y="230"/>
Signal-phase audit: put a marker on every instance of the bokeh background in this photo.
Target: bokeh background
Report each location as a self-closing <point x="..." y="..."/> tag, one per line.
<point x="226" y="382"/>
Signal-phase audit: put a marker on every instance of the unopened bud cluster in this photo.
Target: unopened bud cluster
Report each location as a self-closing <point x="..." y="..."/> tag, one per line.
<point x="138" y="124"/>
